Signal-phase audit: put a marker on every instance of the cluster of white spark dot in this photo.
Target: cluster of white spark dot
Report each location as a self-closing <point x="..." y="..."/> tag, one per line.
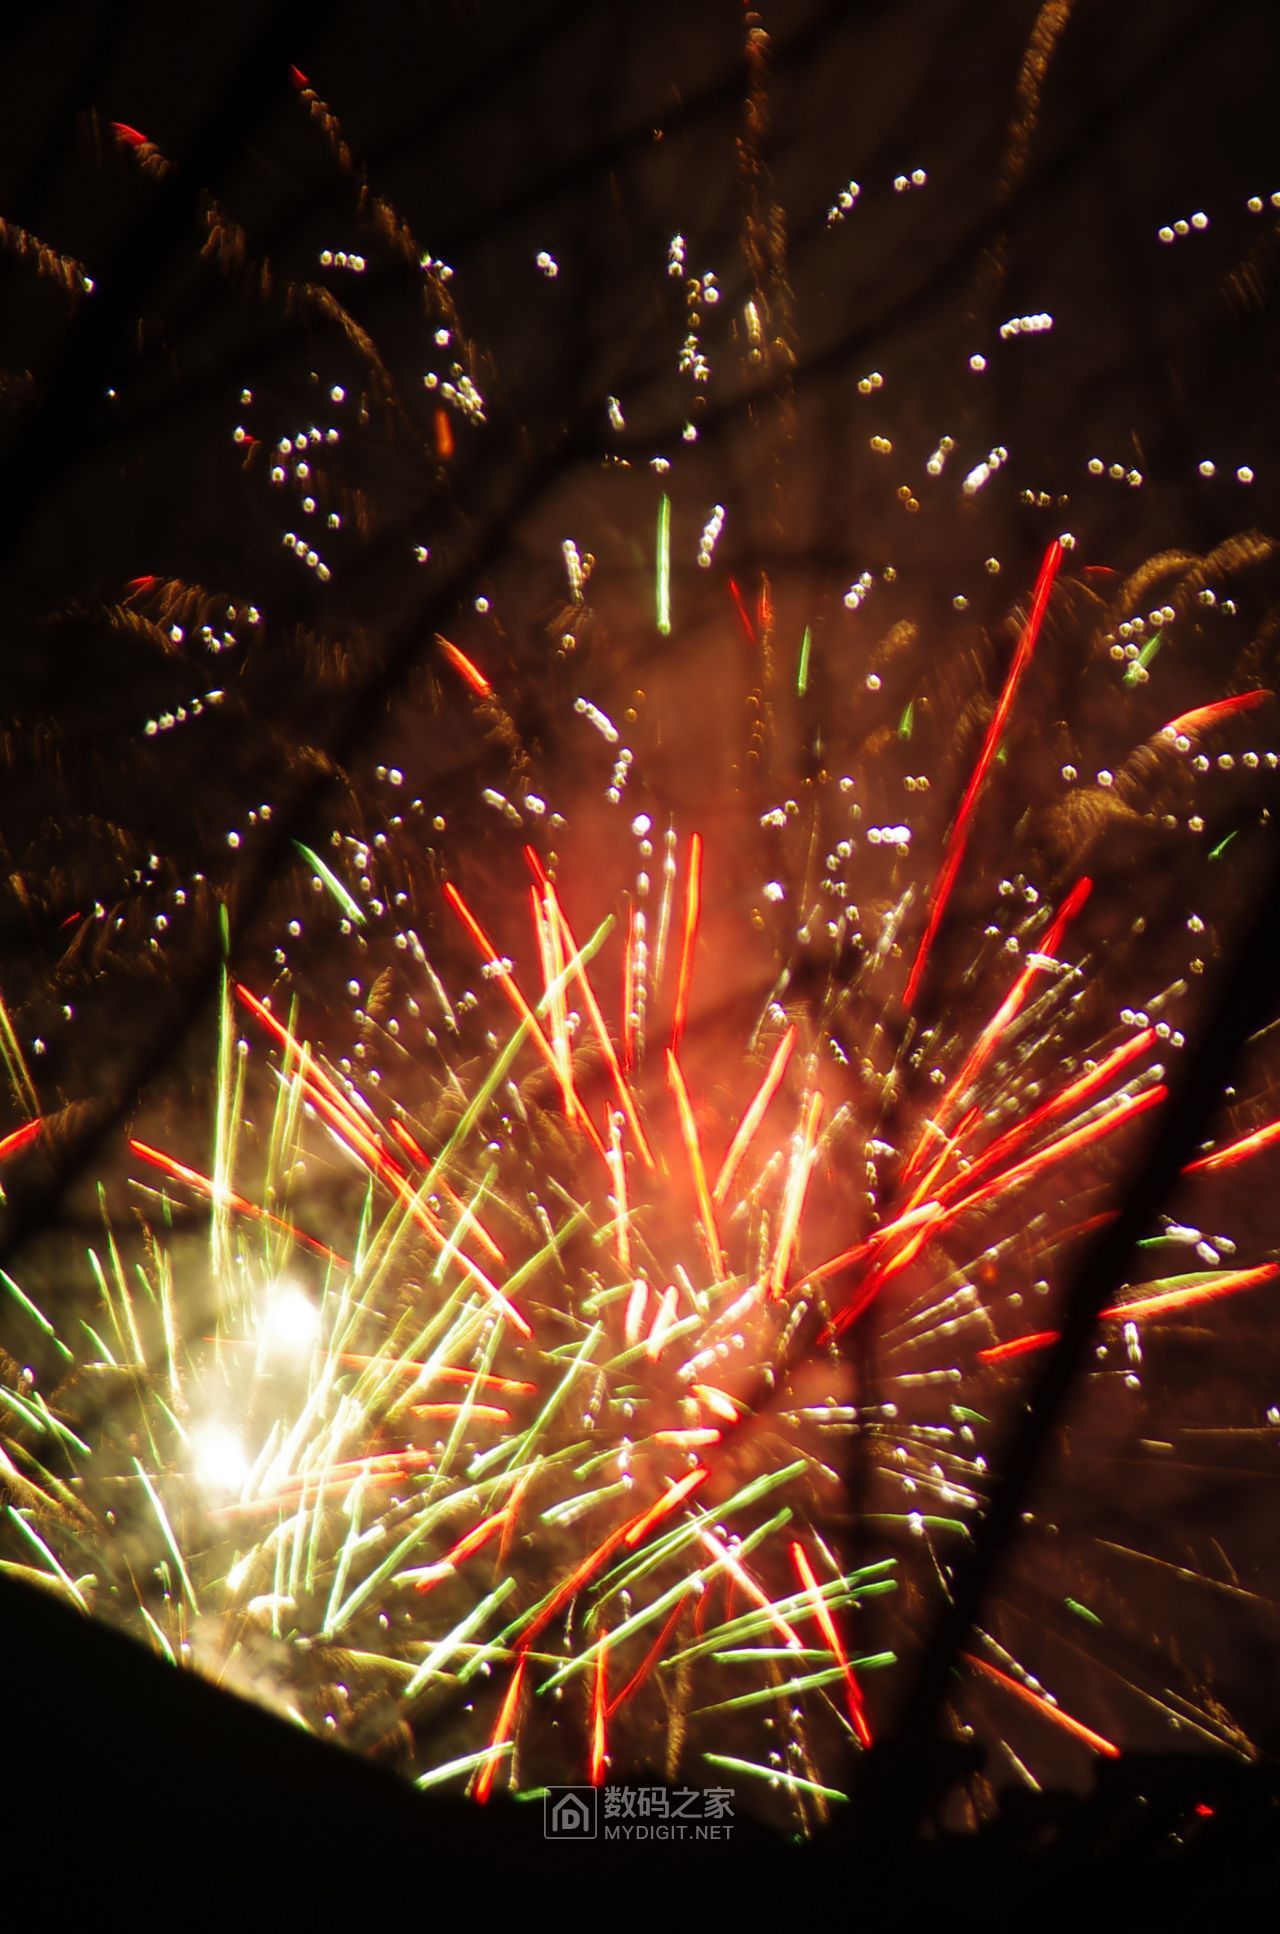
<point x="843" y="204"/>
<point x="710" y="536"/>
<point x="193" y="709"/>
<point x="902" y="184"/>
<point x="1175" y="231"/>
<point x="984" y="471"/>
<point x="457" y="388"/>
<point x="342" y="259"/>
<point x="1118" y="472"/>
<point x="937" y="462"/>
<point x="603" y="724"/>
<point x="311" y="558"/>
<point x="577" y="569"/>
<point x="700" y="292"/>
<point x="1035" y="325"/>
<point x="621" y="773"/>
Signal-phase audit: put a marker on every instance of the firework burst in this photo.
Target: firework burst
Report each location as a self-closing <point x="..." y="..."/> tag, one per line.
<point x="578" y="1347"/>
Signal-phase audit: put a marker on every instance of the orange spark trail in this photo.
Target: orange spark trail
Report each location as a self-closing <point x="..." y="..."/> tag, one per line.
<point x="342" y="1116"/>
<point x="239" y="1203"/>
<point x="423" y="1161"/>
<point x="465" y="668"/>
<point x="313" y="1075"/>
<point x="642" y="1526"/>
<point x="487" y="1412"/>
<point x="822" y="1612"/>
<point x="501" y="1732"/>
<point x="959" y="836"/>
<point x="989" y="1039"/>
<point x="599" y="1712"/>
<point x="793" y="1207"/>
<point x="1061" y="1103"/>
<point x="1003" y="1352"/>
<point x="689" y="1132"/>
<point x="1201" y="717"/>
<point x="1042" y="1705"/>
<point x="743" y="614"/>
<point x="19" y="1138"/>
<point x="692" y="911"/>
<point x="755" y="1114"/>
<point x="574" y="1582"/>
<point x="1067" y="1144"/>
<point x="572" y="1105"/>
<point x="936" y="1217"/>
<point x="478" y="1536"/>
<point x="381" y="1469"/>
<point x="552" y="966"/>
<point x="622" y="1214"/>
<point x="747" y="1583"/>
<point x="442" y="1373"/>
<point x="716" y="1401"/>
<point x="1225" y="1157"/>
<point x="593" y="1009"/>
<point x="650" y="1659"/>
<point x="406" y="1366"/>
<point x="1161" y="1304"/>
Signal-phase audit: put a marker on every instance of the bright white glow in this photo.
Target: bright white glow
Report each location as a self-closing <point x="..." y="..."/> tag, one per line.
<point x="290" y="1322"/>
<point x="220" y="1462"/>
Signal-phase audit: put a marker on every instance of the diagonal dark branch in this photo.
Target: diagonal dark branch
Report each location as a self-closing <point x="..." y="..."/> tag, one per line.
<point x="901" y="1779"/>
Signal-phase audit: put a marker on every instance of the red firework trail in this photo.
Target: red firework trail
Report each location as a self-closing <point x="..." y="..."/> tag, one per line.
<point x="1045" y="1707"/>
<point x="959" y="836"/>
<point x="1163" y="1303"/>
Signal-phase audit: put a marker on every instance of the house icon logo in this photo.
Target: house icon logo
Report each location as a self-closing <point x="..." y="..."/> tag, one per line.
<point x="569" y="1813"/>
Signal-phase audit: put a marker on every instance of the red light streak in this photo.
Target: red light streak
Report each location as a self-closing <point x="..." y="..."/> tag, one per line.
<point x="959" y="836"/>
<point x="693" y="1148"/>
<point x="501" y="1732"/>
<point x="1042" y="1705"/>
<point x="464" y="666"/>
<point x="822" y="1612"/>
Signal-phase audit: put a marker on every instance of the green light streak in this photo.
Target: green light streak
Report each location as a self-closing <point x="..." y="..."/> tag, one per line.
<point x="772" y="1777"/>
<point x="467" y="1764"/>
<point x="329" y="878"/>
<point x="37" y="1316"/>
<point x="1143" y="659"/>
<point x="167" y="1531"/>
<point x="662" y="585"/>
<point x="802" y="670"/>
